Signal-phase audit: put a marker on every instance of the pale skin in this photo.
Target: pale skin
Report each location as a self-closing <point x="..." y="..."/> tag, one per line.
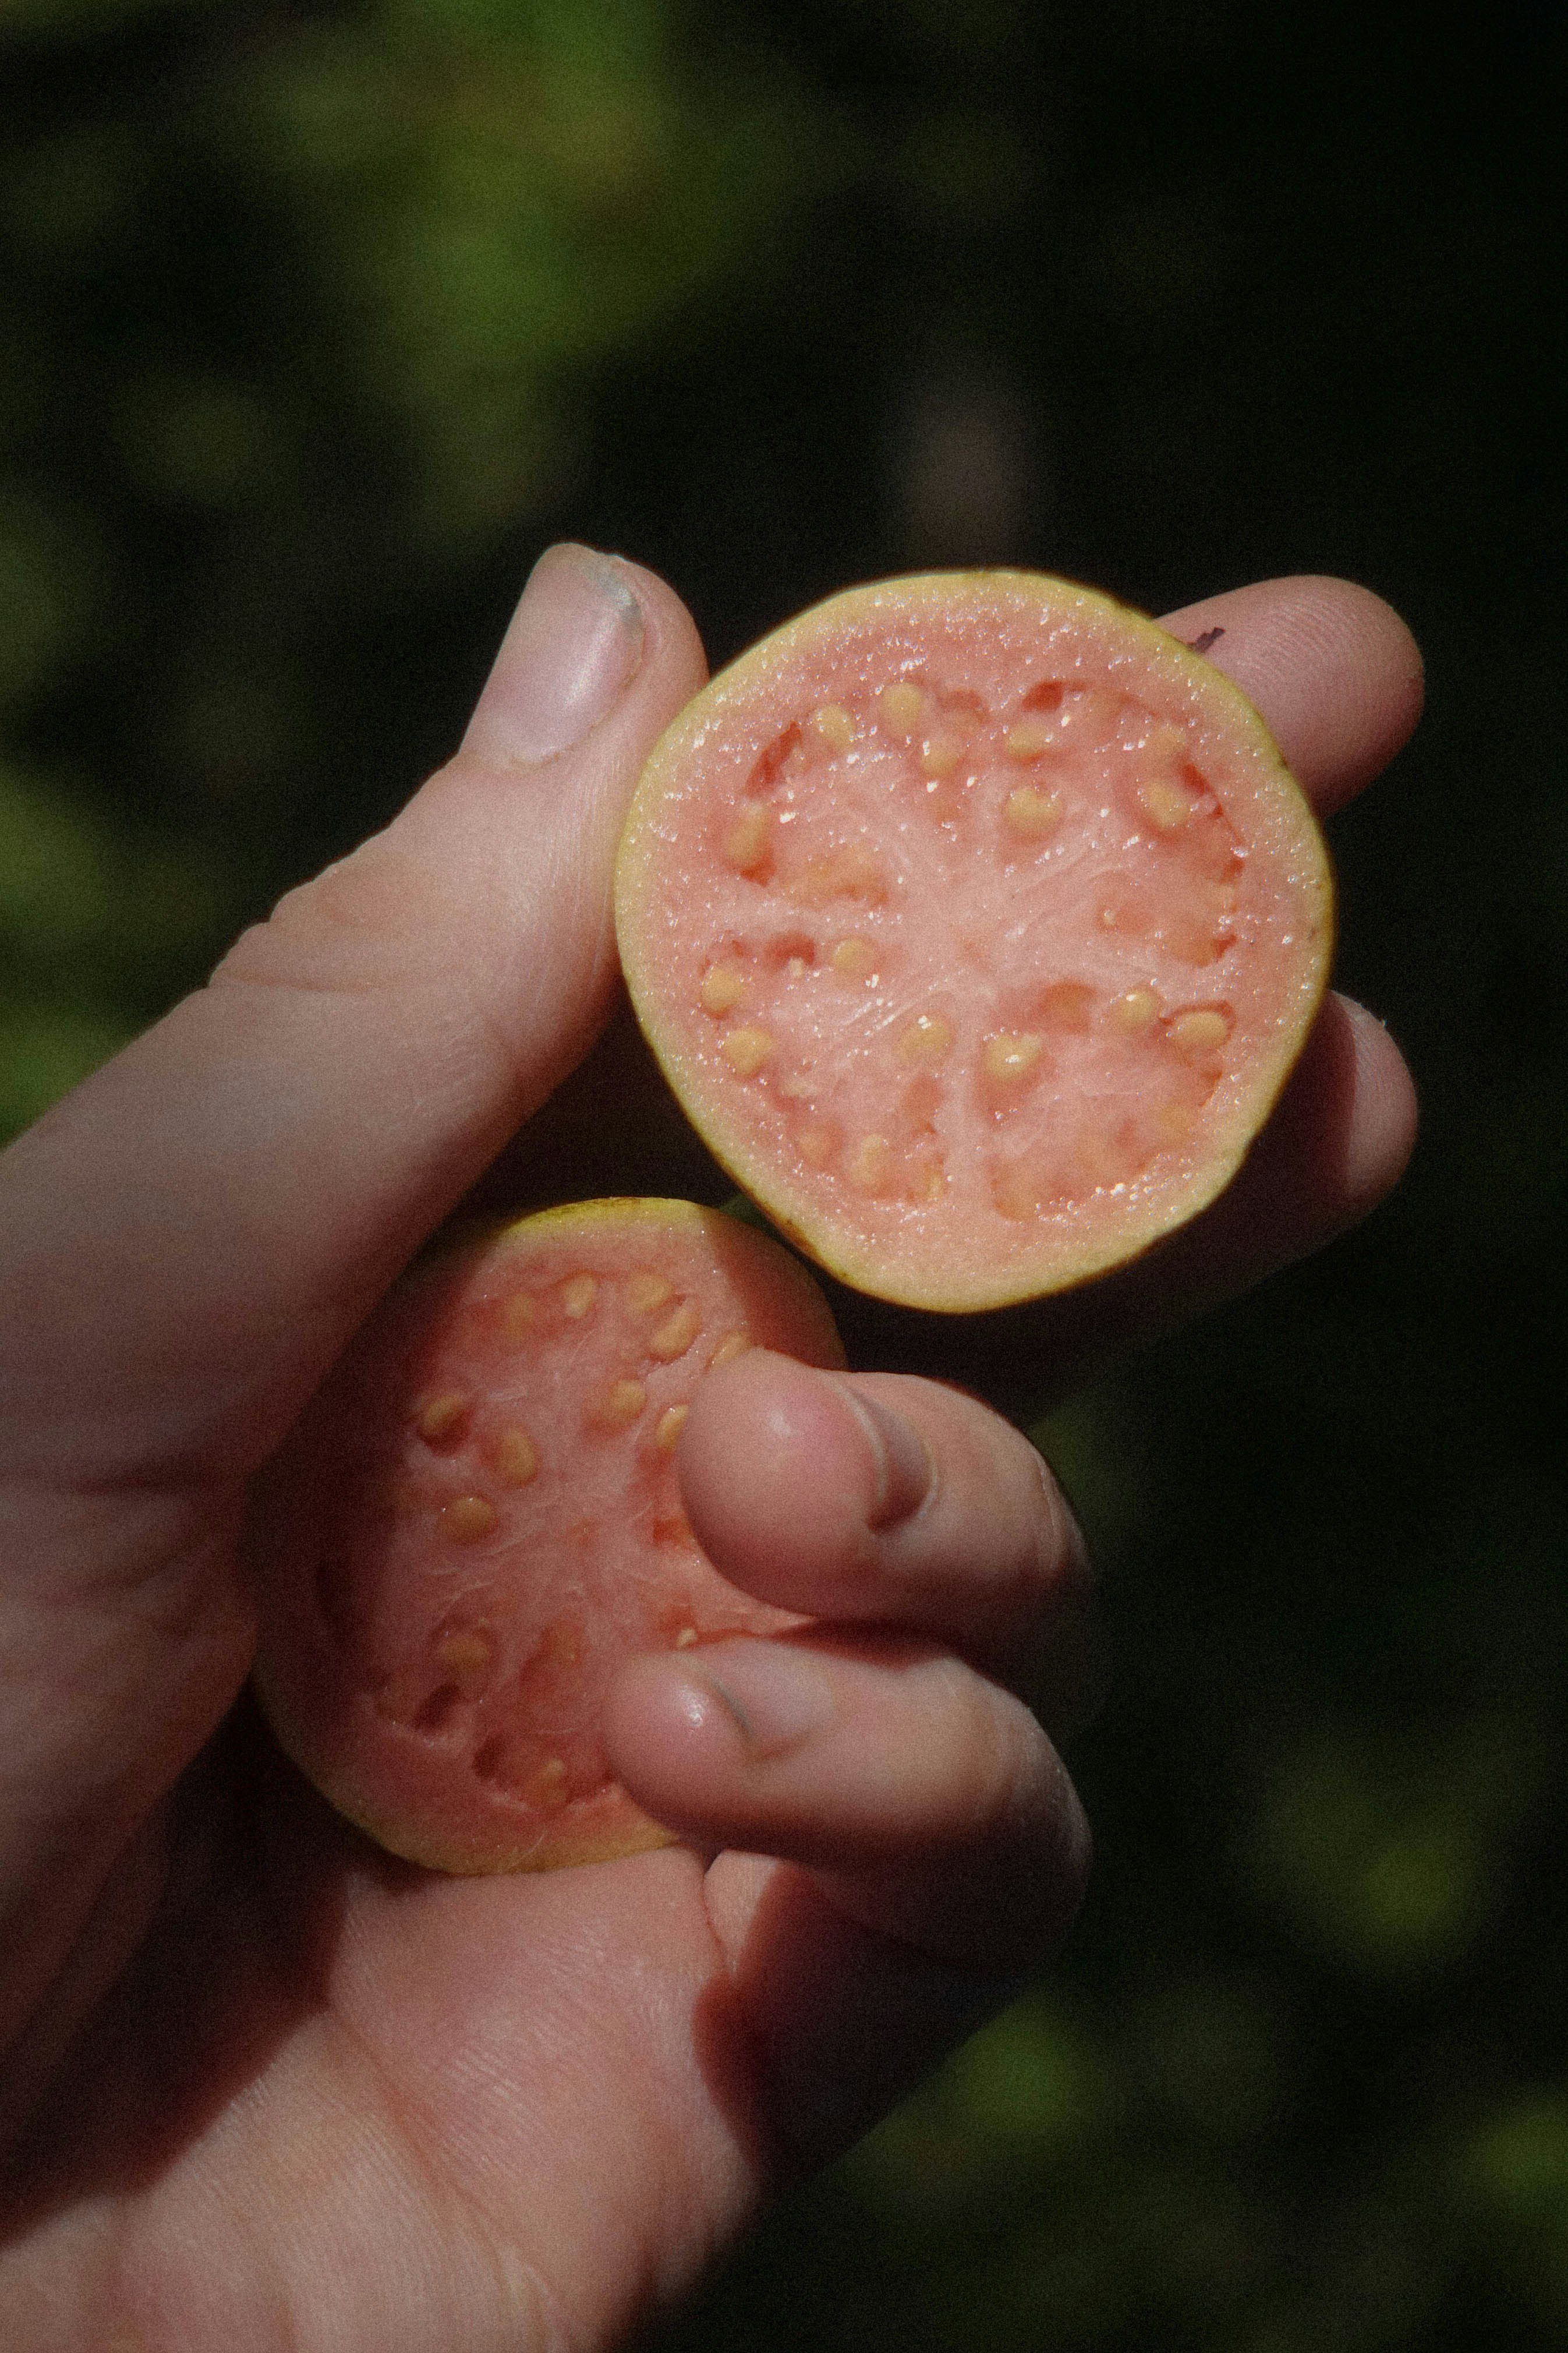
<point x="264" y="2087"/>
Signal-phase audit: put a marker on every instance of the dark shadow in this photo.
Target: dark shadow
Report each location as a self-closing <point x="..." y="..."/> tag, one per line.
<point x="238" y="1958"/>
<point x="836" y="2022"/>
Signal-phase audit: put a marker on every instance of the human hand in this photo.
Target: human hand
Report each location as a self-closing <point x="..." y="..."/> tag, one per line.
<point x="265" y="2085"/>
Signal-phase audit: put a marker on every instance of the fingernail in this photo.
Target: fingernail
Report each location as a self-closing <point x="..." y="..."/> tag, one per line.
<point x="902" y="1464"/>
<point x="777" y="1696"/>
<point x="572" y="648"/>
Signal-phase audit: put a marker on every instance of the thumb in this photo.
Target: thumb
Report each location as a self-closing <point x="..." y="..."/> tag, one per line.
<point x="187" y="1240"/>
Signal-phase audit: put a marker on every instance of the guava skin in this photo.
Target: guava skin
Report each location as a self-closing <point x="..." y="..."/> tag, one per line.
<point x="479" y="1519"/>
<point x="976" y="924"/>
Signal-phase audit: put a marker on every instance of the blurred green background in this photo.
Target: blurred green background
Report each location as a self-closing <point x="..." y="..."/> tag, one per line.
<point x="318" y="320"/>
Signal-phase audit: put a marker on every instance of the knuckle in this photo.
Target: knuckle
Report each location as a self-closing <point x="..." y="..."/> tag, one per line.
<point x="993" y="1759"/>
<point x="1027" y="1836"/>
<point x="1039" y="1563"/>
<point x="379" y="920"/>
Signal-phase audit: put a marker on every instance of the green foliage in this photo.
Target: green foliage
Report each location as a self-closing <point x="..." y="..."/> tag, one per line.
<point x="500" y="196"/>
<point x="48" y="593"/>
<point x="1512" y="2175"/>
<point x="1386" y="1854"/>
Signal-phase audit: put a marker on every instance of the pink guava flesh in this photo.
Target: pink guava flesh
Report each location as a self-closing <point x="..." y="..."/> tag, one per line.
<point x="976" y="924"/>
<point x="477" y="1519"/>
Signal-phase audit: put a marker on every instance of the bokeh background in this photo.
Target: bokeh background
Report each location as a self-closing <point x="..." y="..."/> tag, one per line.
<point x="319" y="319"/>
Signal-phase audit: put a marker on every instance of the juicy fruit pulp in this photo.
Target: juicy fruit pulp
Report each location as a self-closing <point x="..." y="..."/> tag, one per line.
<point x="976" y="923"/>
<point x="477" y="1519"/>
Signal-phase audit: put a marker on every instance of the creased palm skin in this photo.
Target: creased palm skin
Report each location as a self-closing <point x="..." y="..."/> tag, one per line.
<point x="264" y="2086"/>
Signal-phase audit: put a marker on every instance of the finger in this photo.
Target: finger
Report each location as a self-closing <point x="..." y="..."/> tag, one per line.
<point x="840" y="2020"/>
<point x="926" y="1799"/>
<point x="191" y="1235"/>
<point x="1333" y="670"/>
<point x="875" y="1500"/>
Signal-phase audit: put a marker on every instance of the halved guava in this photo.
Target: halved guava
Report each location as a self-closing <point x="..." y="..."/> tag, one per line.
<point x="976" y="923"/>
<point x="477" y="1519"/>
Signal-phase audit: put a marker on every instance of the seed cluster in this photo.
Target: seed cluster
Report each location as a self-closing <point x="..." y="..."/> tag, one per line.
<point x="466" y="1473"/>
<point x="944" y="918"/>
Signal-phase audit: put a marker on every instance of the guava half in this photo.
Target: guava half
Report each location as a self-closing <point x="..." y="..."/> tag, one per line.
<point x="976" y="924"/>
<point x="477" y="1519"/>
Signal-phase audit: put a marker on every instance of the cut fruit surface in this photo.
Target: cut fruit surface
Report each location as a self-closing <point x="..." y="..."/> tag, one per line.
<point x="976" y="924"/>
<point x="477" y="1519"/>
